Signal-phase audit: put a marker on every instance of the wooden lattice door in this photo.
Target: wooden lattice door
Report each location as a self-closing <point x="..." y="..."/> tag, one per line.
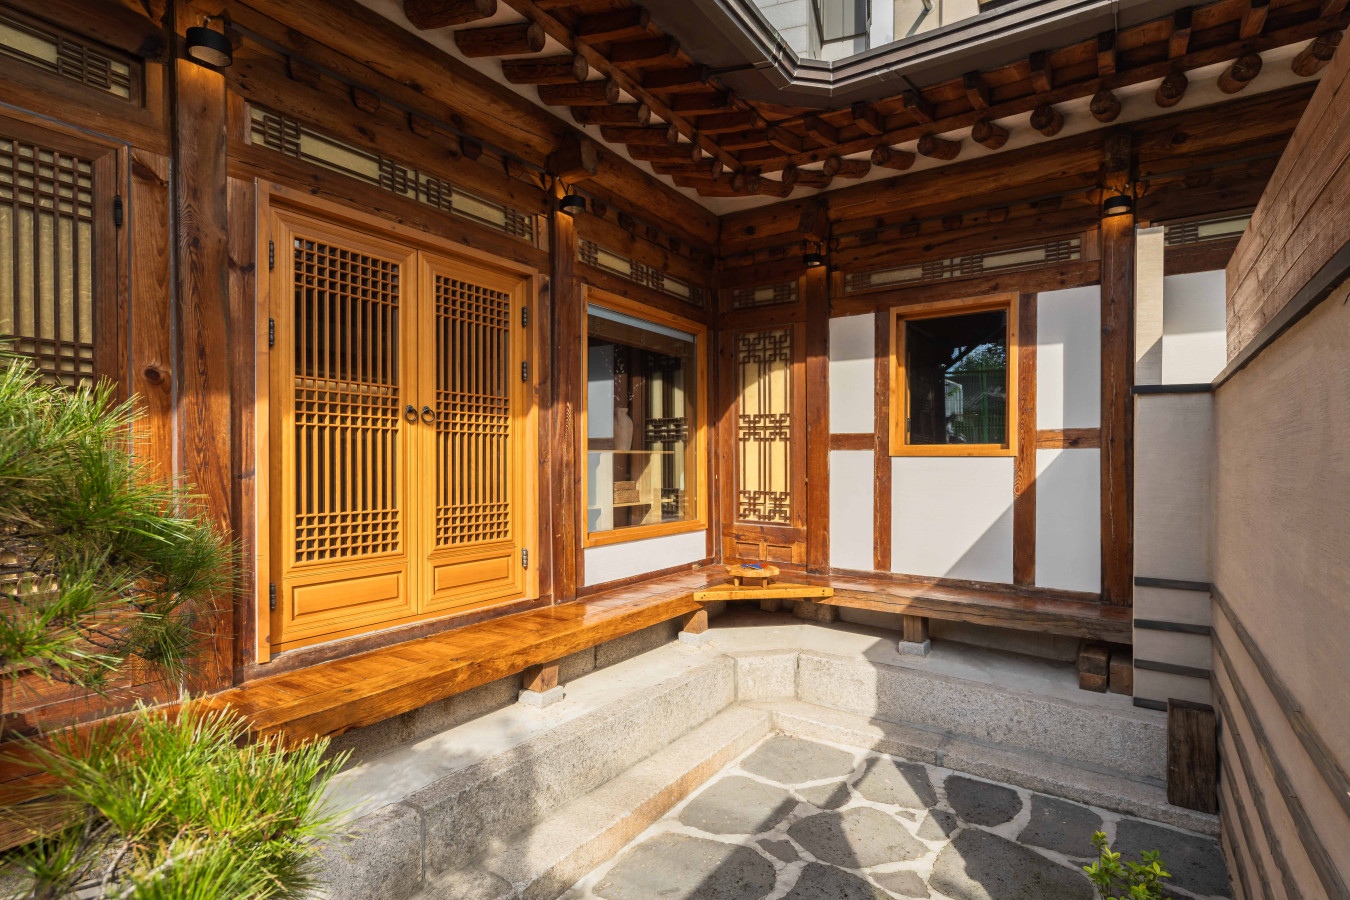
<point x="473" y="399"/>
<point x="400" y="433"/>
<point x="343" y="379"/>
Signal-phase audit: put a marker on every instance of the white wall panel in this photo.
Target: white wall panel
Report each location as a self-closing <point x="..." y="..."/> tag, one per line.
<point x="851" y="519"/>
<point x="853" y="388"/>
<point x="613" y="561"/>
<point x="952" y="517"/>
<point x="1069" y="519"/>
<point x="1068" y="358"/>
<point x="1194" y="342"/>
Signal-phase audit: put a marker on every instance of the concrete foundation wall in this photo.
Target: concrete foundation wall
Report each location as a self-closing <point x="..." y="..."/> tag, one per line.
<point x="1282" y="566"/>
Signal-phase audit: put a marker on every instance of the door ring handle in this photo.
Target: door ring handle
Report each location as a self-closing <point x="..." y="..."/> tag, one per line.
<point x="427" y="415"/>
<point x="410" y="413"/>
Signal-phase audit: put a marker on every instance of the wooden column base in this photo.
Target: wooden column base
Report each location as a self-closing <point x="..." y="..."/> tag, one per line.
<point x="914" y="639"/>
<point x="539" y="685"/>
<point x="694" y="628"/>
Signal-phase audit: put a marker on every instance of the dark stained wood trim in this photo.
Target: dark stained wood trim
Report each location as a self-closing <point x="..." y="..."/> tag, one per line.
<point x="1167" y="668"/>
<point x="881" y="458"/>
<point x="202" y="318"/>
<point x="1322" y="862"/>
<point x="1068" y="438"/>
<point x="1050" y="278"/>
<point x="1323" y="759"/>
<point x="1024" y="466"/>
<point x="1174" y="627"/>
<point x="1244" y="823"/>
<point x="243" y="301"/>
<point x="1235" y="859"/>
<point x="1173" y="584"/>
<point x="816" y="295"/>
<point x="1117" y="429"/>
<point x="853" y="441"/>
<point x="565" y="406"/>
<point x="1206" y="256"/>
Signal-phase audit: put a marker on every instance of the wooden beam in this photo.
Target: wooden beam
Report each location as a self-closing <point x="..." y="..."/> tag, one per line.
<point x="918" y="107"/>
<point x="565" y="69"/>
<point x="1240" y="74"/>
<point x="881" y="457"/>
<point x="1105" y="106"/>
<point x="564" y="408"/>
<point x="500" y="40"/>
<point x="688" y="78"/>
<point x="866" y="118"/>
<point x="1106" y="53"/>
<point x="1171" y="90"/>
<point x="824" y="133"/>
<point x="891" y="158"/>
<point x="1332" y="8"/>
<point x="783" y="139"/>
<point x="691" y="153"/>
<point x="1042" y="78"/>
<point x="646" y="50"/>
<point x="1024" y="466"/>
<point x="1254" y="18"/>
<point x="636" y="134"/>
<point x="977" y="92"/>
<point x="846" y="168"/>
<point x="723" y="123"/>
<point x="743" y="140"/>
<point x="425" y="14"/>
<point x="617" y="24"/>
<point x="1180" y="41"/>
<point x="699" y="104"/>
<point x="796" y="177"/>
<point x="616" y="114"/>
<point x="932" y="146"/>
<point x="914" y="629"/>
<point x="989" y="134"/>
<point x="816" y="299"/>
<point x="586" y="93"/>
<point x="1317" y="54"/>
<point x="1047" y="120"/>
<point x="1117" y="408"/>
<point x="574" y="160"/>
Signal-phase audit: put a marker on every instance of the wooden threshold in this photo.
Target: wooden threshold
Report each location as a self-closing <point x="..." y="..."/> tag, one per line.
<point x="333" y="697"/>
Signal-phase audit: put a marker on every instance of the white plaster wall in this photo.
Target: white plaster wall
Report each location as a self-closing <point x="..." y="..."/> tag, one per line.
<point x="1194" y="340"/>
<point x="952" y="517"/>
<point x="1173" y="457"/>
<point x="1068" y="519"/>
<point x="852" y="374"/>
<point x="614" y="561"/>
<point x="1068" y="358"/>
<point x="851" y="521"/>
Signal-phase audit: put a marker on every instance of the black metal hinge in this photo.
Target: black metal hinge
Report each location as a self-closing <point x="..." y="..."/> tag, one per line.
<point x="524" y="317"/>
<point x="524" y="557"/>
<point x="525" y="371"/>
<point x="271" y="255"/>
<point x="117" y="211"/>
<point x="271" y="332"/>
<point x="272" y="596"/>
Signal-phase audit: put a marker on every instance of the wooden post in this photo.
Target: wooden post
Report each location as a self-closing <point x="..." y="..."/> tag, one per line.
<point x="201" y="313"/>
<point x="694" y="627"/>
<point x="565" y="369"/>
<point x="914" y="636"/>
<point x="881" y="459"/>
<point x="1117" y="401"/>
<point x="539" y="685"/>
<point x="1024" y="467"/>
<point x="816" y="294"/>
<point x="1192" y="756"/>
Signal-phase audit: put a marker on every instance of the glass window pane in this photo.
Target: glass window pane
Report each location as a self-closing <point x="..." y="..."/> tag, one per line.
<point x="956" y="368"/>
<point x="641" y="403"/>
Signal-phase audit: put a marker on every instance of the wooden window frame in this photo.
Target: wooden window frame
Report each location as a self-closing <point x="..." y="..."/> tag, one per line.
<point x="699" y="522"/>
<point x="277" y="198"/>
<point x="900" y="445"/>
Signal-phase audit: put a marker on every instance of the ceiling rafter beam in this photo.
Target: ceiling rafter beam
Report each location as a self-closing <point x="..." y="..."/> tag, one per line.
<point x="626" y="82"/>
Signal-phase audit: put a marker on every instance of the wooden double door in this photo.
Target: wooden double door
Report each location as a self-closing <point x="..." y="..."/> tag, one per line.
<point x="400" y="428"/>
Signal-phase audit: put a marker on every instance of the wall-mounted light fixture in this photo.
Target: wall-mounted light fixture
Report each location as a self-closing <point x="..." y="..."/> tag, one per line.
<point x="570" y="204"/>
<point x="209" y="47"/>
<point x="813" y="258"/>
<point x="1119" y="205"/>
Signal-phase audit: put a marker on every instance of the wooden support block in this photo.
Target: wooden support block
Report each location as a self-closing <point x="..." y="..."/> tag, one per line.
<point x="846" y="168"/>
<point x="821" y="131"/>
<point x="1180" y="40"/>
<point x="1042" y="80"/>
<point x="1105" y="106"/>
<point x="586" y="93"/>
<point x="576" y="158"/>
<point x="918" y="107"/>
<point x="1240" y="74"/>
<point x="916" y="628"/>
<point x="938" y="148"/>
<point x="695" y="622"/>
<point x="783" y="139"/>
<point x="1314" y="56"/>
<point x="805" y="177"/>
<point x="1047" y="120"/>
<point x="1254" y="18"/>
<point x="553" y="70"/>
<point x="1094" y="658"/>
<point x="892" y="159"/>
<point x="365" y="101"/>
<point x="866" y="118"/>
<point x="1106" y="53"/>
<point x="426" y="14"/>
<point x="977" y="92"/>
<point x="541" y="678"/>
<point x="631" y="21"/>
<point x="688" y="78"/>
<point x="1172" y="89"/>
<point x="700" y="104"/>
<point x="1122" y="672"/>
<point x="1095" y="683"/>
<point x="1192" y="756"/>
<point x="989" y="134"/>
<point x="615" y="114"/>
<point x="647" y="50"/>
<point x="299" y="70"/>
<point x="772" y="188"/>
<point x="501" y="40"/>
<point x="771" y="604"/>
<point x="746" y="183"/>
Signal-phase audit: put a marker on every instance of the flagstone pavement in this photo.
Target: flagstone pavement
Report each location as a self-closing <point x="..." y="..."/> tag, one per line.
<point x="802" y="820"/>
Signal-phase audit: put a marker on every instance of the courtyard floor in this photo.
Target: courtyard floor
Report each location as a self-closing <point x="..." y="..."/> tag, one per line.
<point x="809" y="821"/>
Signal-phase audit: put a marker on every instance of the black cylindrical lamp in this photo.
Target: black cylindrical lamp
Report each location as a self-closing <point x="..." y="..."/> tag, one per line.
<point x="209" y="47"/>
<point x="1119" y="205"/>
<point x="571" y="204"/>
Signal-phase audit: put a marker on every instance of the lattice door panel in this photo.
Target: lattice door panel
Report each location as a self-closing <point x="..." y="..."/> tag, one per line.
<point x="472" y="351"/>
<point x="342" y="371"/>
<point x="50" y="283"/>
<point x="764" y="403"/>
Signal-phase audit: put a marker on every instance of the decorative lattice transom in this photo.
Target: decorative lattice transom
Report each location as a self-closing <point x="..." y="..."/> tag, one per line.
<point x="47" y="260"/>
<point x="473" y="414"/>
<point x="1048" y="252"/>
<point x="764" y="426"/>
<point x="347" y="397"/>
<point x="66" y="57"/>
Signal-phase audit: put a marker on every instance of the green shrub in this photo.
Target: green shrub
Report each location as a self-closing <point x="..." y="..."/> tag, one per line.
<point x="1118" y="880"/>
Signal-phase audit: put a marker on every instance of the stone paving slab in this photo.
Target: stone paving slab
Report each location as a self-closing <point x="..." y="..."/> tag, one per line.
<point x="797" y="819"/>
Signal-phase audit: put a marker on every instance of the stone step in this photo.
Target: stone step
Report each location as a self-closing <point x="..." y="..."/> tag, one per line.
<point x="434" y="805"/>
<point x="1041" y="772"/>
<point x="542" y="861"/>
<point x="1121" y="739"/>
